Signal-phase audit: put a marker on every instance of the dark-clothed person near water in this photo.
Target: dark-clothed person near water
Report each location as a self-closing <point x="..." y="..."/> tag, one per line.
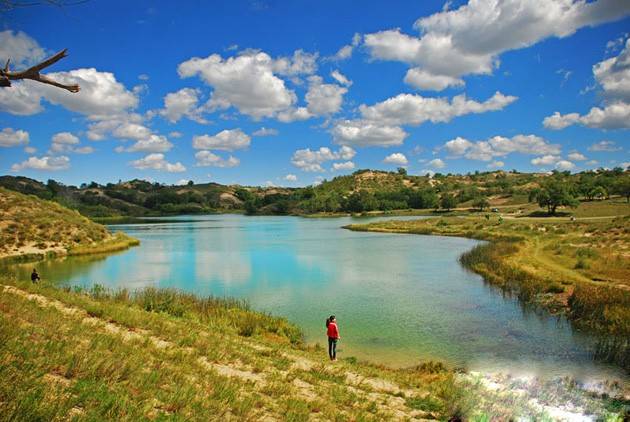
<point x="333" y="336"/>
<point x="34" y="276"/>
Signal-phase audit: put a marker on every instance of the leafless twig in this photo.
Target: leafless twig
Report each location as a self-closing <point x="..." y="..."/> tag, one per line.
<point x="6" y="76"/>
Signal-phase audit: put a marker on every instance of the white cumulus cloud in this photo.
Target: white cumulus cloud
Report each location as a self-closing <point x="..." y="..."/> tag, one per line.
<point x="500" y="146"/>
<point x="410" y="109"/>
<point x="323" y="99"/>
<point x="545" y="160"/>
<point x="396" y="158"/>
<point x="226" y="140"/>
<point x="63" y="142"/>
<point x="437" y="163"/>
<point x="20" y="48"/>
<point x="576" y="156"/>
<point x="612" y="116"/>
<point x="13" y="138"/>
<point x="153" y="143"/>
<point x="604" y="146"/>
<point x="345" y="52"/>
<point x="496" y="165"/>
<point x="470" y="39"/>
<point x="364" y="133"/>
<point x="48" y="163"/>
<point x="564" y="165"/>
<point x="246" y="82"/>
<point x="311" y="161"/>
<point x="263" y="131"/>
<point x="101" y="95"/>
<point x="422" y="79"/>
<point x="182" y="103"/>
<point x="343" y="166"/>
<point x="613" y="76"/>
<point x="341" y="78"/>
<point x="157" y="162"/>
<point x="209" y="159"/>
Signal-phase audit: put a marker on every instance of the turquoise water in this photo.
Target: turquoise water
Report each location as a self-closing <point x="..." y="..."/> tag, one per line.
<point x="399" y="299"/>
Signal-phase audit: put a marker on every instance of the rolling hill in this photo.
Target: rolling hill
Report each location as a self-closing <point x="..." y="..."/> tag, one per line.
<point x="31" y="227"/>
<point x="360" y="192"/>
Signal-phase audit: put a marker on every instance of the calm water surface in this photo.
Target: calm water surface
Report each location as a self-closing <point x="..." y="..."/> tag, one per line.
<point x="399" y="299"/>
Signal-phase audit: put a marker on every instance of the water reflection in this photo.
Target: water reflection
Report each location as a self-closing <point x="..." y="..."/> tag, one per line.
<point x="399" y="298"/>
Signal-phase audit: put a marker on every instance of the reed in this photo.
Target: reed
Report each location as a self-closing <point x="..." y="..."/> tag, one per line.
<point x="576" y="269"/>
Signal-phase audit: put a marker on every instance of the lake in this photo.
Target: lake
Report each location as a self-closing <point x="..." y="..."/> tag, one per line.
<point x="399" y="299"/>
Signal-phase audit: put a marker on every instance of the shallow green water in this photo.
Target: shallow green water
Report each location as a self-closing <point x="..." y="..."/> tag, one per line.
<point x="399" y="299"/>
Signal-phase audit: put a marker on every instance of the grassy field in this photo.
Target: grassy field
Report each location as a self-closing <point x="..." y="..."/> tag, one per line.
<point x="580" y="268"/>
<point x="32" y="228"/>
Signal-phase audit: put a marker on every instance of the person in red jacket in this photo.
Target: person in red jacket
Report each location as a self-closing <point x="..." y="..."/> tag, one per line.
<point x="333" y="336"/>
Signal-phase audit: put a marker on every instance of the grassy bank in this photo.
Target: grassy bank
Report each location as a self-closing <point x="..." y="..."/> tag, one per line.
<point x="579" y="268"/>
<point x="155" y="354"/>
<point x="34" y="229"/>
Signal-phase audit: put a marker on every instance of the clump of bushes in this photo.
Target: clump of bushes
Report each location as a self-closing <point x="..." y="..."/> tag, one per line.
<point x="586" y="253"/>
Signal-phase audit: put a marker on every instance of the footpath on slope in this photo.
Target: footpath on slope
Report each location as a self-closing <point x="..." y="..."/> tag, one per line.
<point x="386" y="397"/>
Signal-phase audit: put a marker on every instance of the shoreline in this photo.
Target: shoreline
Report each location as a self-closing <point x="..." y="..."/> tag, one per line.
<point x="118" y="242"/>
<point x="584" y="302"/>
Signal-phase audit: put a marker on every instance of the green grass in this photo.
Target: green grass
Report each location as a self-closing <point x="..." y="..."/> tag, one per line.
<point x="54" y="363"/>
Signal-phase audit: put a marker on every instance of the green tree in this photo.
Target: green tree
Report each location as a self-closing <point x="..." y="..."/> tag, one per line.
<point x="426" y="198"/>
<point x="243" y="194"/>
<point x="251" y="206"/>
<point x="283" y="206"/>
<point x="556" y="193"/>
<point x="402" y="171"/>
<point x="448" y="201"/>
<point x="586" y="185"/>
<point x="598" y="192"/>
<point x="481" y="202"/>
<point x="308" y="192"/>
<point x="622" y="187"/>
<point x="54" y="187"/>
<point x="361" y="201"/>
<point x="332" y="204"/>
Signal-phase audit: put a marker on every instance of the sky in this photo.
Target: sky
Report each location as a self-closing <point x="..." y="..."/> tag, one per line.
<point x="290" y="93"/>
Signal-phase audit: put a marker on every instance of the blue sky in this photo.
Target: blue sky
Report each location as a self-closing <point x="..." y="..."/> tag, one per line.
<point x="289" y="93"/>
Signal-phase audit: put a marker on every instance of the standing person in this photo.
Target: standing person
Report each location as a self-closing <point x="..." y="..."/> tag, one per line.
<point x="34" y="276"/>
<point x="333" y="336"/>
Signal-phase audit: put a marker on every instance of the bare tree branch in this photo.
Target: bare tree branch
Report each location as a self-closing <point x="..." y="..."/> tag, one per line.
<point x="6" y="76"/>
<point x="8" y="5"/>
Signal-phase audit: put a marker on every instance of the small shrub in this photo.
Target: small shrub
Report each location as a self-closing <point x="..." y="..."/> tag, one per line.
<point x="426" y="404"/>
<point x="586" y="253"/>
<point x="431" y="367"/>
<point x="555" y="288"/>
<point x="581" y="264"/>
<point x="247" y="326"/>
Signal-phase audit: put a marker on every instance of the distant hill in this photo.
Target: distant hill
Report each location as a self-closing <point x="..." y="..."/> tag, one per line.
<point x="362" y="191"/>
<point x="30" y="226"/>
<point x="141" y="198"/>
